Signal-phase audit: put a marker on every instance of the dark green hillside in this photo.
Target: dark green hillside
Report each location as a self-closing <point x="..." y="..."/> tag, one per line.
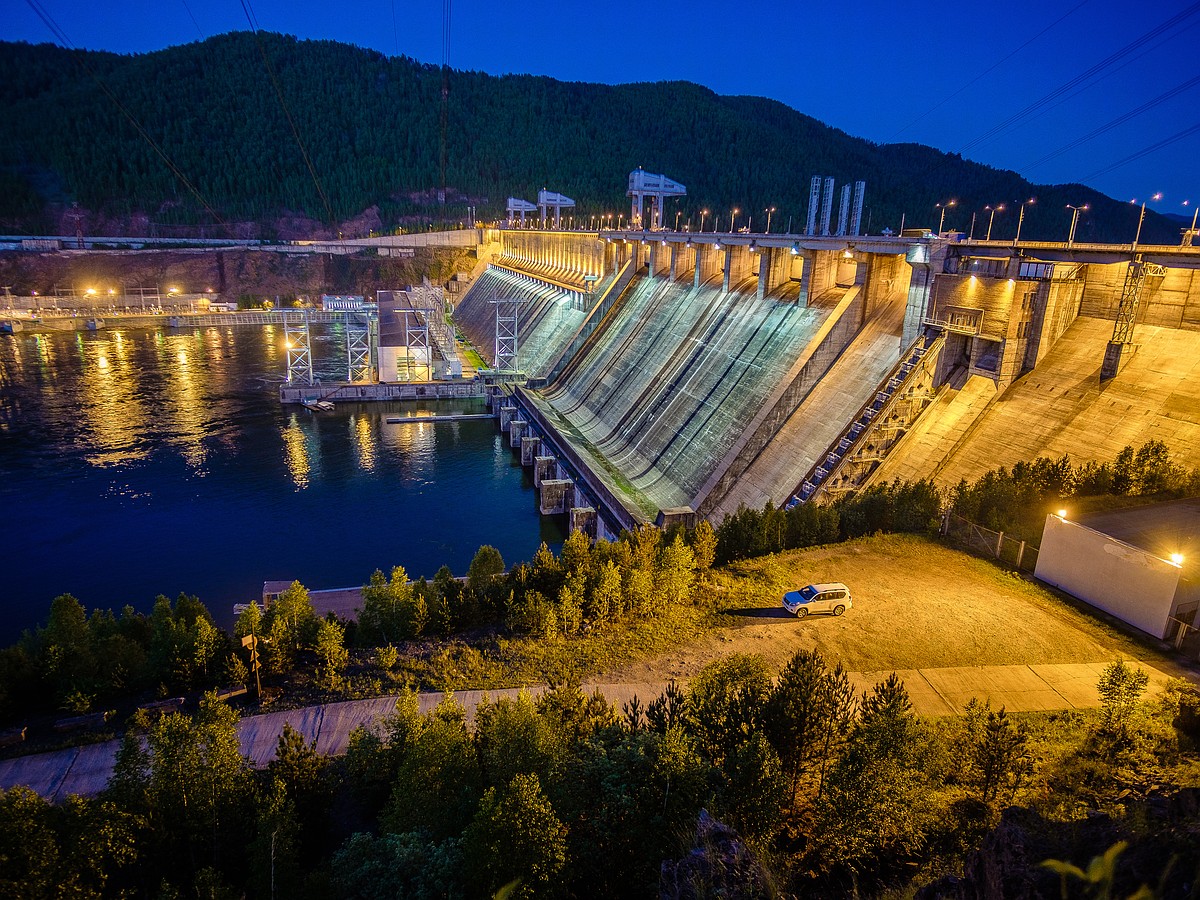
<point x="371" y="126"/>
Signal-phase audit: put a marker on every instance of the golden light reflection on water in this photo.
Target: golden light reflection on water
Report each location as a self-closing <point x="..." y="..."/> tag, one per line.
<point x="296" y="452"/>
<point x="364" y="441"/>
<point x="113" y="412"/>
<point x="409" y="439"/>
<point x="185" y="412"/>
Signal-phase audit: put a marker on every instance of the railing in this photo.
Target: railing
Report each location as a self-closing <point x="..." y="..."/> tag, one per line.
<point x="959" y="319"/>
<point x="874" y="411"/>
<point x="1017" y="553"/>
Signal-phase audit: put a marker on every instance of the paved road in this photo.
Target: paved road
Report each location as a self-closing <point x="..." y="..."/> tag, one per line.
<point x="934" y="692"/>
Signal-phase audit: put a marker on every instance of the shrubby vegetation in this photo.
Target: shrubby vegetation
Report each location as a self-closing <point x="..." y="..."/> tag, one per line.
<point x="565" y="795"/>
<point x="1018" y="500"/>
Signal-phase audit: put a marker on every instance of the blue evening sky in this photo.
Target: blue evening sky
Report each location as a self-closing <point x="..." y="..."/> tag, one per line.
<point x="949" y="75"/>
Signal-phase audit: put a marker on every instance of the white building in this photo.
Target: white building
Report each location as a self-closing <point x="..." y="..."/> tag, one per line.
<point x="1139" y="564"/>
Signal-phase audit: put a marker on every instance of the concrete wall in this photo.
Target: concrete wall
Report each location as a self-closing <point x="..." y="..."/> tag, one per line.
<point x="567" y="255"/>
<point x="1172" y="300"/>
<point x="1135" y="586"/>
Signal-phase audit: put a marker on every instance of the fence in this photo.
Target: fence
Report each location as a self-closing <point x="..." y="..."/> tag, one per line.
<point x="1016" y="553"/>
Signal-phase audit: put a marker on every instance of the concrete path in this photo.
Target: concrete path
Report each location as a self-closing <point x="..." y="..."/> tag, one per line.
<point x="934" y="692"/>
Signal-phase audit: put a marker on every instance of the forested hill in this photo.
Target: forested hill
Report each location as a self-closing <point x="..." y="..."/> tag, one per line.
<point x="371" y="125"/>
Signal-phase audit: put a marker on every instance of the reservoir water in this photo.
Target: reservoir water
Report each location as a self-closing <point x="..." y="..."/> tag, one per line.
<point x="141" y="462"/>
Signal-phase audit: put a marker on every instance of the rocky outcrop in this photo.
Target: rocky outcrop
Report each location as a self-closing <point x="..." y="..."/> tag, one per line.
<point x="718" y="866"/>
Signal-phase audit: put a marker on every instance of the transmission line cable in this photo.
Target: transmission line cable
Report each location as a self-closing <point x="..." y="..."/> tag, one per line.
<point x="1085" y="76"/>
<point x="61" y="36"/>
<point x="446" y="11"/>
<point x="395" y="28"/>
<point x="986" y="71"/>
<point x="1151" y="48"/>
<point x="1146" y="151"/>
<point x="288" y="113"/>
<point x="192" y="16"/>
<point x="1119" y="120"/>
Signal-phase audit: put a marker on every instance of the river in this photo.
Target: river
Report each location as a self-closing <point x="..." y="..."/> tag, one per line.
<point x="156" y="461"/>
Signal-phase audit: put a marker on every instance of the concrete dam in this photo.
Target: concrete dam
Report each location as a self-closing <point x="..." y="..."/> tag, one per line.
<point x="664" y="376"/>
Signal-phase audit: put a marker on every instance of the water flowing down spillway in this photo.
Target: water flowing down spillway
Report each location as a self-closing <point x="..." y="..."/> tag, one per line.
<point x="664" y="390"/>
<point x="547" y="320"/>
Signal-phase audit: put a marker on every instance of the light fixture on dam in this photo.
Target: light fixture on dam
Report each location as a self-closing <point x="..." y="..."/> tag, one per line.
<point x="754" y="246"/>
<point x="796" y="249"/>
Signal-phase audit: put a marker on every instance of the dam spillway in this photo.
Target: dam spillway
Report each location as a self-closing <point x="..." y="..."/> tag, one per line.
<point x="667" y="385"/>
<point x="690" y="374"/>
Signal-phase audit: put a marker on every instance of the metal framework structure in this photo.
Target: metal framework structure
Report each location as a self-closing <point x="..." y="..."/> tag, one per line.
<point x="299" y="351"/>
<point x="518" y="206"/>
<point x="905" y="392"/>
<point x="844" y="211"/>
<point x="415" y="329"/>
<point x="359" y="341"/>
<point x="814" y="204"/>
<point x="548" y="200"/>
<point x="1131" y="297"/>
<point x="826" y="205"/>
<point x="508" y="311"/>
<point x="645" y="186"/>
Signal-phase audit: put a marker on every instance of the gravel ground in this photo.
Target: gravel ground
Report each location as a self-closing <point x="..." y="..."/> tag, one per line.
<point x="917" y="604"/>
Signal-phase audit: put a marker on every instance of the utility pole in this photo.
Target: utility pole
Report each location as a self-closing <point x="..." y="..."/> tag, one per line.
<point x="76" y="214"/>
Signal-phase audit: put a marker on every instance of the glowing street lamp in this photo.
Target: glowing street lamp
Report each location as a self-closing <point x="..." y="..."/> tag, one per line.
<point x="943" y="207"/>
<point x="1075" y="210"/>
<point x="703" y="213"/>
<point x="678" y="213"/>
<point x="1177" y="559"/>
<point x="733" y="219"/>
<point x="1142" y="215"/>
<point x="770" y="211"/>
<point x="1021" y="220"/>
<point x="992" y="218"/>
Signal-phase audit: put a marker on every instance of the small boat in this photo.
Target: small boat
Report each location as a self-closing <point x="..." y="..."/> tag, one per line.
<point x="11" y="326"/>
<point x="95" y="324"/>
<point x="318" y="405"/>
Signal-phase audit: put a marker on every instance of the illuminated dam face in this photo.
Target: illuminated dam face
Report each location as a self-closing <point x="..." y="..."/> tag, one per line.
<point x="695" y="356"/>
<point x="684" y="375"/>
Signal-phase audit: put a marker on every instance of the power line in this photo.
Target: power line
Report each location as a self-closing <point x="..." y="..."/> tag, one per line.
<point x="1119" y="120"/>
<point x="193" y="18"/>
<point x="288" y="113"/>
<point x="395" y="28"/>
<point x="61" y="36"/>
<point x="1151" y="48"/>
<point x="1087" y="75"/>
<point x="986" y="71"/>
<point x="1146" y="151"/>
<point x="446" y="10"/>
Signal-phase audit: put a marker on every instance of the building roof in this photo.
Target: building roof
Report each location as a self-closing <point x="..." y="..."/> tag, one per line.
<point x="1159" y="528"/>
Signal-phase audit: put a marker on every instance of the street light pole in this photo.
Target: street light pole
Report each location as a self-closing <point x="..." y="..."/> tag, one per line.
<point x="1142" y="217"/>
<point x="733" y="219"/>
<point x="943" y="207"/>
<point x="770" y="211"/>
<point x="1075" y="210"/>
<point x="703" y="213"/>
<point x="971" y="236"/>
<point x="992" y="218"/>
<point x="1021" y="219"/>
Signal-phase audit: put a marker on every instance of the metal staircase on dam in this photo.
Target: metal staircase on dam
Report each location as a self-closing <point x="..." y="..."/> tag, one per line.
<point x="901" y="397"/>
